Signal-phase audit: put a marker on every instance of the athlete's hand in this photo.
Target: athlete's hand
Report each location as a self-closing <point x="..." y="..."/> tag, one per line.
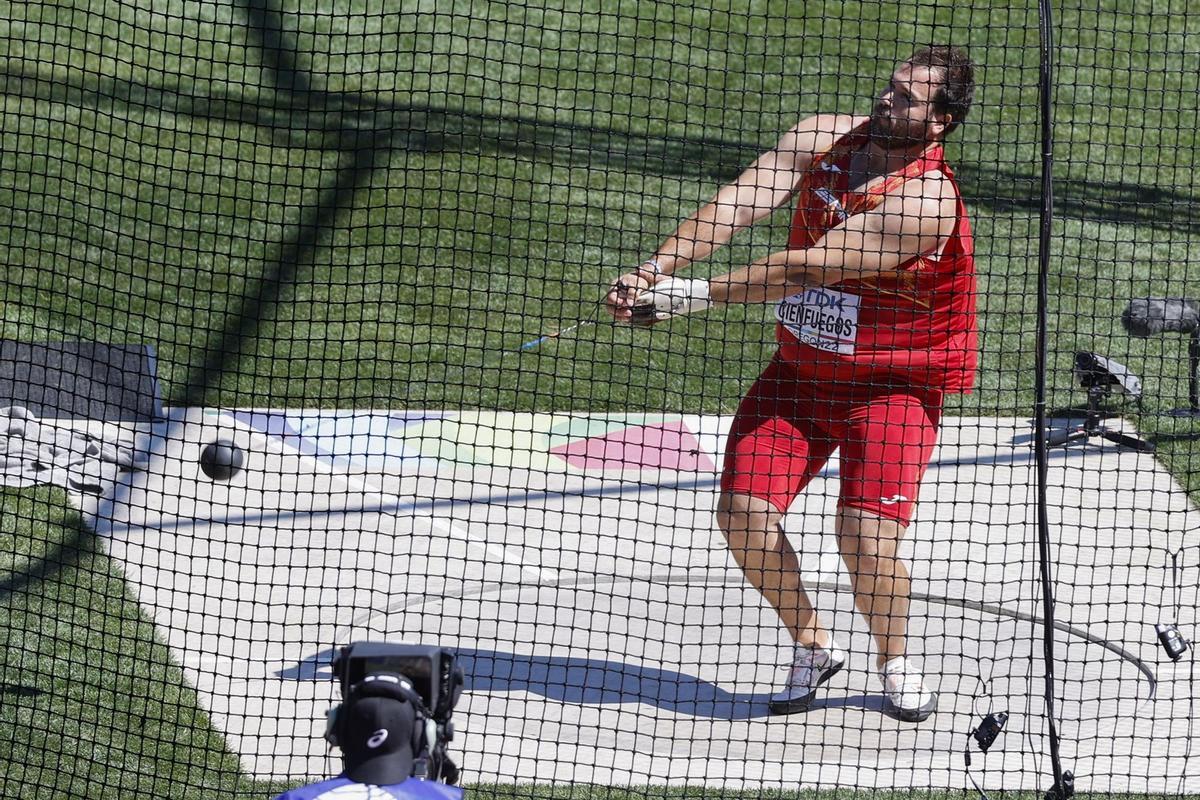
<point x="623" y="293"/>
<point x="669" y="298"/>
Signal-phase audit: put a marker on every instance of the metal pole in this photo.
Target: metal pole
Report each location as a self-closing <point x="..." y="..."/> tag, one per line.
<point x="1060" y="790"/>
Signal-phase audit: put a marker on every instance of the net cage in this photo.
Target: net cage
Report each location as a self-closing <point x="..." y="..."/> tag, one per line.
<point x="307" y="338"/>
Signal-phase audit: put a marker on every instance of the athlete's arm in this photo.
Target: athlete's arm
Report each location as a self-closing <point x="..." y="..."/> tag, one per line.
<point x="912" y="222"/>
<point x="764" y="186"/>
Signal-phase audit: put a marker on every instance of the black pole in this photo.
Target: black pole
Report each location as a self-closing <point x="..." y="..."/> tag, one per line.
<point x="1061" y="789"/>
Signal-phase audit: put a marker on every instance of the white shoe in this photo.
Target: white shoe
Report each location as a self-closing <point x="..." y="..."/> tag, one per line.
<point x="811" y="666"/>
<point x="905" y="692"/>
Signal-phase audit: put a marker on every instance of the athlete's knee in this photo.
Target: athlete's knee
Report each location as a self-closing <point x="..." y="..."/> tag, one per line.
<point x="869" y="544"/>
<point x="870" y="566"/>
<point x="744" y="519"/>
<point x="733" y="512"/>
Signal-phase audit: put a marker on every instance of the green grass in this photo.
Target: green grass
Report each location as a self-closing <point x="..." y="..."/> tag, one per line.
<point x="521" y="157"/>
<point x="90" y="704"/>
<point x="323" y="204"/>
<point x="593" y="792"/>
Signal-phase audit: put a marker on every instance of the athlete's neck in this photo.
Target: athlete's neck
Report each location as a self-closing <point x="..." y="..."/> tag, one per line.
<point x="886" y="160"/>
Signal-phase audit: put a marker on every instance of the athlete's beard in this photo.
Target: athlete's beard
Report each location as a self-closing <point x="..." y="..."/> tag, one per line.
<point x="891" y="134"/>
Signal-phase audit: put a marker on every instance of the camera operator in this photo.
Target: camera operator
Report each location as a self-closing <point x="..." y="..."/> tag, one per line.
<point x="381" y="729"/>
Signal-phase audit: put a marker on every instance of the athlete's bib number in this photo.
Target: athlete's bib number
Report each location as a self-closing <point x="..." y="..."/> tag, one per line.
<point x="822" y="318"/>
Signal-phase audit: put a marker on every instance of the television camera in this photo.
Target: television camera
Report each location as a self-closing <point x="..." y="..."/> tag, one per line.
<point x="438" y="681"/>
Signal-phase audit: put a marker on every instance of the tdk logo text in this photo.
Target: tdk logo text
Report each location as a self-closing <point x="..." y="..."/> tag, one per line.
<point x="820" y="299"/>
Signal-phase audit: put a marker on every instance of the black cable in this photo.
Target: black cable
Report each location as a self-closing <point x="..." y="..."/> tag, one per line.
<point x="1045" y="91"/>
<point x="994" y="724"/>
<point x="967" y="763"/>
<point x="1191" y="712"/>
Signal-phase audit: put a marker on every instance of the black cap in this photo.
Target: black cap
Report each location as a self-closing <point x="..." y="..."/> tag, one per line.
<point x="377" y="740"/>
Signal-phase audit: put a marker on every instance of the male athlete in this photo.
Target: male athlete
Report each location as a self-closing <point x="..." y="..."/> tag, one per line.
<point x="875" y="303"/>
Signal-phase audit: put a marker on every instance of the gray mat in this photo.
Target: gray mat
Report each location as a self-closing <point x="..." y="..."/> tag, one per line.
<point x="80" y="380"/>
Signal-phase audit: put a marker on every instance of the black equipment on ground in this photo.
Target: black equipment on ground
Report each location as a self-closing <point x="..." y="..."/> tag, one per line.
<point x="984" y="735"/>
<point x="989" y="729"/>
<point x="1172" y="640"/>
<point x="1102" y="376"/>
<point x="1064" y="790"/>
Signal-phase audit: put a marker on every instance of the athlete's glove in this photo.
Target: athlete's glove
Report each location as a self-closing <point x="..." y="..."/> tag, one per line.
<point x="670" y="297"/>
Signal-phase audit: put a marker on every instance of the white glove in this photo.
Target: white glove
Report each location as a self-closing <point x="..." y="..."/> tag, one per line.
<point x="670" y="297"/>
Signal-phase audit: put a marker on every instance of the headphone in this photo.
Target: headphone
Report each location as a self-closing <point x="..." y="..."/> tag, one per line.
<point x="392" y="687"/>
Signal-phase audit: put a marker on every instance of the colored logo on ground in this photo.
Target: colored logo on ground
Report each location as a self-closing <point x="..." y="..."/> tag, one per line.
<point x="665" y="446"/>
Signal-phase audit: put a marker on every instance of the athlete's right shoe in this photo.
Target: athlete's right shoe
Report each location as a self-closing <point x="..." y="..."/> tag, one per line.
<point x="811" y="666"/>
<point x="904" y="691"/>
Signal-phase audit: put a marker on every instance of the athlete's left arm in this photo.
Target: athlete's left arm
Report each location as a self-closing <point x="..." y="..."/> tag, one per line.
<point x="911" y="222"/>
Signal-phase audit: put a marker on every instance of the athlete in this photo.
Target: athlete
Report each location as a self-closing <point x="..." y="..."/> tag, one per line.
<point x="875" y="310"/>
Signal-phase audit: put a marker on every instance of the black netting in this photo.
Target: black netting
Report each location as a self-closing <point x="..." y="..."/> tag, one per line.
<point x="304" y="343"/>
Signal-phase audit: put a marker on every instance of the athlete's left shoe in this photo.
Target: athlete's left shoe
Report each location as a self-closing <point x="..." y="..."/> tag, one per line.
<point x="905" y="692"/>
<point x="811" y="667"/>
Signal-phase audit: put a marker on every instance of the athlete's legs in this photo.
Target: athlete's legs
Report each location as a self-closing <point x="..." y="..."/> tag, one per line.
<point x="890" y="441"/>
<point x="878" y="576"/>
<point x="753" y="529"/>
<point x="774" y="450"/>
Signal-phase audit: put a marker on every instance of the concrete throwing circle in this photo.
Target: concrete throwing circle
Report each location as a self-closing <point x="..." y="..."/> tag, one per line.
<point x="680" y="671"/>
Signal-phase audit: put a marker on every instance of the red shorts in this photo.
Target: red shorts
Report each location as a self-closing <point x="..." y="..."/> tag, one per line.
<point x="788" y="426"/>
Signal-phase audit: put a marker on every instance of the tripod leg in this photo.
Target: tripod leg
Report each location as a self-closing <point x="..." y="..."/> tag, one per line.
<point x="1063" y="437"/>
<point x="1131" y="442"/>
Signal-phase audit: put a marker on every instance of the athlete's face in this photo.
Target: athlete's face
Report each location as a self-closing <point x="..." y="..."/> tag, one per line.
<point x="904" y="117"/>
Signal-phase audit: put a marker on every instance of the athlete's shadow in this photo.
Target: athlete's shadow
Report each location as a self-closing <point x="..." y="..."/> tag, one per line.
<point x="599" y="682"/>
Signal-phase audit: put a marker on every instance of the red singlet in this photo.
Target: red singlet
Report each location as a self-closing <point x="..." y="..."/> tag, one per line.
<point x="917" y="323"/>
<point x="861" y="365"/>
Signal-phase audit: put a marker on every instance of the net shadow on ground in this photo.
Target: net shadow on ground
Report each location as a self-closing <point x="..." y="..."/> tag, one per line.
<point x="339" y="119"/>
<point x="217" y="352"/>
<point x="526" y="497"/>
<point x="362" y="149"/>
<point x="62" y="555"/>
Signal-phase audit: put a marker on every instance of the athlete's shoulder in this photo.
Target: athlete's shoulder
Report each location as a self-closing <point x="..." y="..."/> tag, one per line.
<point x="932" y="192"/>
<point x="922" y="205"/>
<point x="833" y="125"/>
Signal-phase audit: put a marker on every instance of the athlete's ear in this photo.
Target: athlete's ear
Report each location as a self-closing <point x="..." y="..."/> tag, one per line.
<point x="938" y="123"/>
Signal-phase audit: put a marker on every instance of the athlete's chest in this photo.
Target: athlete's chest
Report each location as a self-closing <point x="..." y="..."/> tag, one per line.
<point x="836" y="189"/>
